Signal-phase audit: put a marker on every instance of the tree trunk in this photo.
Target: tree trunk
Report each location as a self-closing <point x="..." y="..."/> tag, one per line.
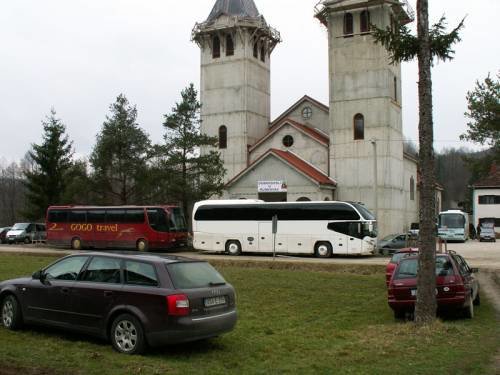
<point x="425" y="308"/>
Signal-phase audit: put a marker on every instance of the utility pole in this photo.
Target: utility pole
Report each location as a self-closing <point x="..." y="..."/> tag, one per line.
<point x="375" y="176"/>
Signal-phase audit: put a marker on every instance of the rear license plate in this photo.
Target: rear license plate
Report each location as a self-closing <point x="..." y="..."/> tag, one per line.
<point x="215" y="301"/>
<point x="414" y="292"/>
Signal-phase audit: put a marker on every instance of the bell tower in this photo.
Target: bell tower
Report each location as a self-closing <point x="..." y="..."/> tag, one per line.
<point x="236" y="45"/>
<point x="366" y="136"/>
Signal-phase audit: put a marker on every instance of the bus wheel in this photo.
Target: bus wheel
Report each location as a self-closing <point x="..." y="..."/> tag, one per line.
<point x="323" y="250"/>
<point x="233" y="248"/>
<point x="76" y="244"/>
<point x="142" y="245"/>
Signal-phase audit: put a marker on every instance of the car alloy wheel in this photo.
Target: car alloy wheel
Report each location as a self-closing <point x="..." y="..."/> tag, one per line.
<point x="11" y="314"/>
<point x="127" y="335"/>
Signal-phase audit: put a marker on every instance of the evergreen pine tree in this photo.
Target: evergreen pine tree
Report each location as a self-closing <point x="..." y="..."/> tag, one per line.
<point x="46" y="181"/>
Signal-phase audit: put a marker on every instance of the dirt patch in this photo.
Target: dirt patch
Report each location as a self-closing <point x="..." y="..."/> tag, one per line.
<point x="16" y="370"/>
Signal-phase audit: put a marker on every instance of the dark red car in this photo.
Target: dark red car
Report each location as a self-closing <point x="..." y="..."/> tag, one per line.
<point x="456" y="286"/>
<point x="131" y="300"/>
<point x="396" y="257"/>
<point x="3" y="234"/>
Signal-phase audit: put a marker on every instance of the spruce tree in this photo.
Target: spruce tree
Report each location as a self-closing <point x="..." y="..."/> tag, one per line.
<point x="191" y="175"/>
<point x="46" y="181"/>
<point x="119" y="158"/>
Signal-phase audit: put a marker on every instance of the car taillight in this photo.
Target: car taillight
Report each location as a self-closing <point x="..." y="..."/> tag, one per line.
<point x="178" y="305"/>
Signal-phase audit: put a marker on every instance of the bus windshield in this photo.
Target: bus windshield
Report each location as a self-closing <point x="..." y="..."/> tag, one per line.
<point x="367" y="215"/>
<point x="451" y="220"/>
<point x="178" y="221"/>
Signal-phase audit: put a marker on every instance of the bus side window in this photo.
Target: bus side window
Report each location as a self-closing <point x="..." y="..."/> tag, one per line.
<point x="158" y="220"/>
<point x="349" y="229"/>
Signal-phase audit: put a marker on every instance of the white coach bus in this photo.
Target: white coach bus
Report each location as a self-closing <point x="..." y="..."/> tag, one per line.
<point x="319" y="228"/>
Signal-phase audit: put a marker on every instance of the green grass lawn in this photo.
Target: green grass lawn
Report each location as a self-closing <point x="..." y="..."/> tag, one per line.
<point x="298" y="321"/>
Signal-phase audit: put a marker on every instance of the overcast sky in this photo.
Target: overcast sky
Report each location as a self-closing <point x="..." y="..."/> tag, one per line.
<point x="79" y="55"/>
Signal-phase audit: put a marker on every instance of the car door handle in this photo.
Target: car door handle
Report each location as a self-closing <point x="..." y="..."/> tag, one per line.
<point x="108" y="293"/>
<point x="65" y="290"/>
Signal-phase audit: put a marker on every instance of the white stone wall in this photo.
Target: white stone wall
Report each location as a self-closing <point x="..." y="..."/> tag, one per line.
<point x="319" y="120"/>
<point x="304" y="147"/>
<point x="411" y="206"/>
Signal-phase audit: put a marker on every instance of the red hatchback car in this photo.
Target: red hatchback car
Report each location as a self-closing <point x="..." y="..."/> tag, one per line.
<point x="456" y="287"/>
<point x="396" y="257"/>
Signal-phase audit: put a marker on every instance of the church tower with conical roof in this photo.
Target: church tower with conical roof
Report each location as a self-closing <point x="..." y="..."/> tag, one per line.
<point x="236" y="45"/>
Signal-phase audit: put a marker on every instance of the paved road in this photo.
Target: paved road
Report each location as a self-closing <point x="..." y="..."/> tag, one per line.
<point x="478" y="254"/>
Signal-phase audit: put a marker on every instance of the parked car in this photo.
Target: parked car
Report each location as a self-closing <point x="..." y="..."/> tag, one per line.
<point x="389" y="244"/>
<point x="396" y="257"/>
<point x="487" y="233"/>
<point x="131" y="300"/>
<point x="3" y="234"/>
<point x="27" y="233"/>
<point x="414" y="230"/>
<point x="456" y="286"/>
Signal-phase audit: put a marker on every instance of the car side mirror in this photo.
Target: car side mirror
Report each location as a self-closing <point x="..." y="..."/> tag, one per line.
<point x="37" y="275"/>
<point x="475" y="270"/>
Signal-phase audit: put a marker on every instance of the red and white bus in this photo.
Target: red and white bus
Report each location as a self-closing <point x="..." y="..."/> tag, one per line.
<point x="136" y="227"/>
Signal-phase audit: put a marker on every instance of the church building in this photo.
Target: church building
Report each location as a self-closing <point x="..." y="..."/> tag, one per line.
<point x="349" y="150"/>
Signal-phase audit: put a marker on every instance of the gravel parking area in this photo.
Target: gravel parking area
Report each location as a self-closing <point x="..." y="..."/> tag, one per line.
<point x="485" y="255"/>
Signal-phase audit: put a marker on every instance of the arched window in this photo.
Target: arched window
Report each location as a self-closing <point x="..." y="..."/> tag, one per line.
<point x="359" y="126"/>
<point x="412" y="188"/>
<point x="216" y="47"/>
<point x="229" y="45"/>
<point x="262" y="54"/>
<point x="223" y="137"/>
<point x="348" y="24"/>
<point x="303" y="199"/>
<point x="256" y="50"/>
<point x="365" y="21"/>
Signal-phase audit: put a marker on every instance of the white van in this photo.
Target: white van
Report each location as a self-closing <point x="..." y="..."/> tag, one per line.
<point x="27" y="233"/>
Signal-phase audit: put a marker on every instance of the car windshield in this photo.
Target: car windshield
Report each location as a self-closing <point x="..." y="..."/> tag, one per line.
<point x="193" y="275"/>
<point x="389" y="237"/>
<point x="20" y="226"/>
<point x="408" y="268"/>
<point x="398" y="256"/>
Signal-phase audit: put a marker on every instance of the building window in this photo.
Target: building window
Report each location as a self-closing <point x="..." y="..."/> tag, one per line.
<point x="262" y="54"/>
<point x="288" y="141"/>
<point x="229" y="45"/>
<point x="489" y="199"/>
<point x="359" y="127"/>
<point x="216" y="47"/>
<point x="412" y="188"/>
<point x="256" y="50"/>
<point x="303" y="199"/>
<point x="365" y="21"/>
<point x="222" y="137"/>
<point x="395" y="89"/>
<point x="348" y="24"/>
<point x="307" y="113"/>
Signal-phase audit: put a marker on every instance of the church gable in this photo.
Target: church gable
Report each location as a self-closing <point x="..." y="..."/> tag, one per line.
<point x="308" y="144"/>
<point x="309" y="112"/>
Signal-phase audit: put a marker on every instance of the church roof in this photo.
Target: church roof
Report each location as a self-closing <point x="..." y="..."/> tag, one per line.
<point x="300" y="165"/>
<point x="299" y="102"/>
<point x="238" y="8"/>
<point x="310" y="132"/>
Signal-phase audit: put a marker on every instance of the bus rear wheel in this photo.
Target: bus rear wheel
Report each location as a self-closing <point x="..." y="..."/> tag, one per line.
<point x="323" y="250"/>
<point x="233" y="248"/>
<point x="76" y="244"/>
<point x="142" y="245"/>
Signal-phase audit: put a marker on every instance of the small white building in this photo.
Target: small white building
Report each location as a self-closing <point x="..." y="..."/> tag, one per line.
<point x="486" y="199"/>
